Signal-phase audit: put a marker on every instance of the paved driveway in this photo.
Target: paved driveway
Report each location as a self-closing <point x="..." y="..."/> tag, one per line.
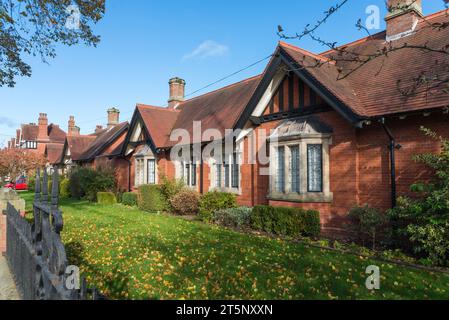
<point x="8" y="289"/>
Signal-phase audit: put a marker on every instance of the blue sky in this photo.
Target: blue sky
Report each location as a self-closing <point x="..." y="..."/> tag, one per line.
<point x="146" y="42"/>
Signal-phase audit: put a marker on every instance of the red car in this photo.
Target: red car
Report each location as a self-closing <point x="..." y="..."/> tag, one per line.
<point x="20" y="185"/>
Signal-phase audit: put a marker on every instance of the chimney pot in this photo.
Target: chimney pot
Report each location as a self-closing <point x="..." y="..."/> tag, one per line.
<point x="98" y="128"/>
<point x="402" y="18"/>
<point x="177" y="92"/>
<point x="113" y="117"/>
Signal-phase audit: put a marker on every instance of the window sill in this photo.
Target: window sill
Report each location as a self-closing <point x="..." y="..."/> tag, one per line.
<point x="228" y="190"/>
<point x="302" y="198"/>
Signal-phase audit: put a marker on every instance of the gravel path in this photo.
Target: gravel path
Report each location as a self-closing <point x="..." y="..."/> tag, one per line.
<point x="8" y="289"/>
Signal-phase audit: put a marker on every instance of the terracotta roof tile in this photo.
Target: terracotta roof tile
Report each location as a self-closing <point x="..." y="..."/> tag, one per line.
<point x="101" y="141"/>
<point x="54" y="152"/>
<point x="159" y="122"/>
<point x="78" y="145"/>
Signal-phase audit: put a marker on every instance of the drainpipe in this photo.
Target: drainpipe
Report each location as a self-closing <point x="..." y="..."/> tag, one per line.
<point x="393" y="147"/>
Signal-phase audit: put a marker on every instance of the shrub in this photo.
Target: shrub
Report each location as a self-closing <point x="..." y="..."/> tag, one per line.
<point x="86" y="182"/>
<point x="368" y="223"/>
<point x="233" y="217"/>
<point x="214" y="201"/>
<point x="129" y="199"/>
<point x="432" y="240"/>
<point x="151" y="199"/>
<point x="286" y="221"/>
<point x="106" y="198"/>
<point x="64" y="191"/>
<point x="186" y="202"/>
<point x="171" y="187"/>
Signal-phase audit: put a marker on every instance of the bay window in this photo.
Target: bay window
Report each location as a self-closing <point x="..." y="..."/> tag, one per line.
<point x="299" y="162"/>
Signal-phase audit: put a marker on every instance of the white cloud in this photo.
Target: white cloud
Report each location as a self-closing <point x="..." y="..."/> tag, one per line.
<point x="207" y="49"/>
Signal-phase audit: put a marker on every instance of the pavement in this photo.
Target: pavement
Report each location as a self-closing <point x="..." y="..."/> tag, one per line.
<point x="8" y="290"/>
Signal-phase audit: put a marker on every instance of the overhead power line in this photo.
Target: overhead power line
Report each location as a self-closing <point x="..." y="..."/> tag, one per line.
<point x="198" y="90"/>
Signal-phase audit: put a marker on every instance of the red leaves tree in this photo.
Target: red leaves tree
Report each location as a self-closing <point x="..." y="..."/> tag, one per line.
<point x="16" y="162"/>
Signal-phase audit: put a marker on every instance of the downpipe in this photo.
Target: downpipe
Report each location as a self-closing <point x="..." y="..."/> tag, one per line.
<point x="393" y="146"/>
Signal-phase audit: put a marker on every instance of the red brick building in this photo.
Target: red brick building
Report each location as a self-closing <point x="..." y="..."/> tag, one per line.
<point x="100" y="147"/>
<point x="327" y="133"/>
<point x="43" y="138"/>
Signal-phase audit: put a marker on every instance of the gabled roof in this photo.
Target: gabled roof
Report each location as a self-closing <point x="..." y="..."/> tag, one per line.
<point x="101" y="141"/>
<point x="54" y="152"/>
<point x="159" y="122"/>
<point x="55" y="133"/>
<point x="78" y="145"/>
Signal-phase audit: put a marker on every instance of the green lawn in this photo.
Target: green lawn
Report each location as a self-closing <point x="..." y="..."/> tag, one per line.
<point x="129" y="254"/>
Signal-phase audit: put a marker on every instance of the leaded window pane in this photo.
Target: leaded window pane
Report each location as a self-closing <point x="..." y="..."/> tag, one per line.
<point x="235" y="171"/>
<point x="315" y="167"/>
<point x="218" y="178"/>
<point x="151" y="171"/>
<point x="187" y="174"/>
<point x="193" y="180"/>
<point x="295" y="169"/>
<point x="226" y="172"/>
<point x="280" y="174"/>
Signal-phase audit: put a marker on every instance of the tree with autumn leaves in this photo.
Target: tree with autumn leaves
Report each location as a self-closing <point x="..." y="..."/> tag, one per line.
<point x="17" y="162"/>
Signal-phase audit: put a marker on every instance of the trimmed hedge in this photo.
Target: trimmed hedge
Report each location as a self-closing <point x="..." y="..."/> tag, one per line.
<point x="214" y="201"/>
<point x="106" y="198"/>
<point x="129" y="199"/>
<point x="151" y="199"/>
<point x="292" y="222"/>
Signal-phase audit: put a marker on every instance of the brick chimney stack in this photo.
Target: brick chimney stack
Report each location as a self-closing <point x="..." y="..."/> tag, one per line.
<point x="98" y="128"/>
<point x="177" y="92"/>
<point x="402" y="18"/>
<point x="18" y="136"/>
<point x="73" y="130"/>
<point x="9" y="144"/>
<point x="43" y="128"/>
<point x="113" y="117"/>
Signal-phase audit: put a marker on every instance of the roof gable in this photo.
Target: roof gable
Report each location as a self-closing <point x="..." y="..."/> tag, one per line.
<point x="102" y="141"/>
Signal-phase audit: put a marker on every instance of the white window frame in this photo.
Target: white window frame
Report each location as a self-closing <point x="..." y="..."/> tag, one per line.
<point x="142" y="178"/>
<point x="304" y="196"/>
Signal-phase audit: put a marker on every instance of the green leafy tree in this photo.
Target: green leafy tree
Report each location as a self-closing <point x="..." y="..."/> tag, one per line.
<point x="34" y="27"/>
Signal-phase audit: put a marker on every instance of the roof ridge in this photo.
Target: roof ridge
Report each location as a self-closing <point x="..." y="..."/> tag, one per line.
<point x="223" y="88"/>
<point x="355" y="42"/>
<point x="305" y="52"/>
<point x="435" y="15"/>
